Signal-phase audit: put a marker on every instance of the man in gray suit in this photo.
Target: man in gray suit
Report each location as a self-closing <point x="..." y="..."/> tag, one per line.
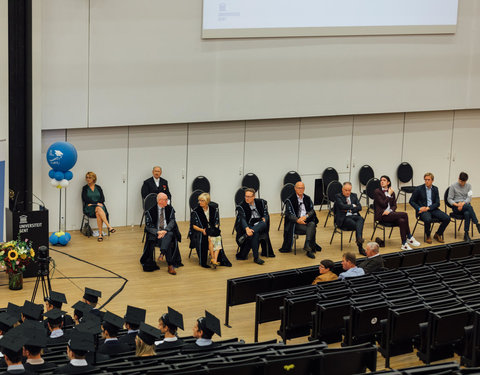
<point x="374" y="261"/>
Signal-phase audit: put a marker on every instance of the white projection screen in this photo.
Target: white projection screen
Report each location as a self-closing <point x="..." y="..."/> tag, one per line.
<point x="288" y="18"/>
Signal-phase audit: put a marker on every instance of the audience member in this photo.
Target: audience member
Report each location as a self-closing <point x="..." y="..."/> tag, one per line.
<point x="385" y="204"/>
<point x="36" y="340"/>
<point x="78" y="346"/>
<point x="91" y="297"/>
<point x="350" y="267"/>
<point x="110" y="326"/>
<point x="80" y="309"/>
<point x="253" y="222"/>
<point x="94" y="204"/>
<point x="145" y="340"/>
<point x="55" y="301"/>
<point x="326" y="273"/>
<point x="460" y="197"/>
<point x="32" y="311"/>
<point x="56" y="334"/>
<point x="374" y="261"/>
<point x="133" y="317"/>
<point x="346" y="210"/>
<point x="7" y="322"/>
<point x="155" y="184"/>
<point x="426" y="202"/>
<point x="162" y="231"/>
<point x="11" y="346"/>
<point x="168" y="325"/>
<point x="203" y="331"/>
<point x="205" y="233"/>
<point x="300" y="218"/>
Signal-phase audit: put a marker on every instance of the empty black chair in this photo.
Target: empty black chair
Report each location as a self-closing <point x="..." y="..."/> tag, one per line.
<point x="238" y="199"/>
<point x="250" y="180"/>
<point x="365" y="174"/>
<point x="415" y="257"/>
<point x="201" y="183"/>
<point x="333" y="189"/>
<point x="328" y="320"/>
<point x="453" y="216"/>
<point x="449" y="368"/>
<point x="372" y="185"/>
<point x="149" y="202"/>
<point x="364" y="322"/>
<point x="437" y="254"/>
<point x="460" y="250"/>
<point x="404" y="176"/>
<point x="291" y="177"/>
<point x="471" y="354"/>
<point x="328" y="175"/>
<point x="193" y="200"/>
<point x="348" y="360"/>
<point x="287" y="190"/>
<point x="392" y="260"/>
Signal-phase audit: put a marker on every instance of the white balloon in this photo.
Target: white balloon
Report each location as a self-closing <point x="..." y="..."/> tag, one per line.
<point x="64" y="183"/>
<point x="54" y="182"/>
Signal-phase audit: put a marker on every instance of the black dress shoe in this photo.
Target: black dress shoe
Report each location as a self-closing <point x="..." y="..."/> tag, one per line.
<point x="362" y="251"/>
<point x="259" y="261"/>
<point x="285" y="250"/>
<point x="307" y="248"/>
<point x="205" y="266"/>
<point x="310" y="254"/>
<point x="466" y="237"/>
<point x="360" y="241"/>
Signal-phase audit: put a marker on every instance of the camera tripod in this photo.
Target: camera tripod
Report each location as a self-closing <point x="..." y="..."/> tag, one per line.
<point x="43" y="274"/>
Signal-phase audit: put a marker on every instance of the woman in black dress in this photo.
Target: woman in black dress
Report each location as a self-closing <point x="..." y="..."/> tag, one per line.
<point x="94" y="204"/>
<point x="205" y="233"/>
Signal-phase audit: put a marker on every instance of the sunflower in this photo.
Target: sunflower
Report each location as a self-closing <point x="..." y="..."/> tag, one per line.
<point x="12" y="255"/>
<point x="32" y="253"/>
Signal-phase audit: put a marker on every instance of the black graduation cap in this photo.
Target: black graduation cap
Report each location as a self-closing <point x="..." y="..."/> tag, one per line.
<point x="113" y="320"/>
<point x="32" y="311"/>
<point x="14" y="310"/>
<point x="210" y="322"/>
<point x="7" y="321"/>
<point x="81" y="341"/>
<point x="36" y="334"/>
<point x="135" y="315"/>
<point x="81" y="308"/>
<point x="92" y="295"/>
<point x="149" y="334"/>
<point x="54" y="316"/>
<point x="90" y="324"/>
<point x="13" y="340"/>
<point x="173" y="318"/>
<point x="56" y="299"/>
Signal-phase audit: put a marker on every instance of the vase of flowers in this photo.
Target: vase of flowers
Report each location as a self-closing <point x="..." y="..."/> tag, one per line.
<point x="14" y="257"/>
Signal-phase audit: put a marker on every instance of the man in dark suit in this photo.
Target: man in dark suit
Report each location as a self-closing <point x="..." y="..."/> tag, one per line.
<point x="347" y="217"/>
<point x="426" y="202"/>
<point x="162" y="231"/>
<point x="300" y="218"/>
<point x="155" y="184"/>
<point x="252" y="221"/>
<point x="111" y="325"/>
<point x="374" y="261"/>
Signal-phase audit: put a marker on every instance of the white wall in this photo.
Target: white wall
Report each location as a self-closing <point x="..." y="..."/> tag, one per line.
<point x="440" y="142"/>
<point x="122" y="63"/>
<point x="4" y="95"/>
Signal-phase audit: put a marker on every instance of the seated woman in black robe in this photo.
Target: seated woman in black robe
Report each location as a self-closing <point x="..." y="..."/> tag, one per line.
<point x="94" y="204"/>
<point x="205" y="233"/>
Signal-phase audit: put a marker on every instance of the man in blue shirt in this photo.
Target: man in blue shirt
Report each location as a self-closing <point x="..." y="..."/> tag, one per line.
<point x="351" y="269"/>
<point x="426" y="202"/>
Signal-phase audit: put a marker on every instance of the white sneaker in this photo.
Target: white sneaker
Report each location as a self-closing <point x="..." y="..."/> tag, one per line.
<point x="412" y="241"/>
<point x="405" y="247"/>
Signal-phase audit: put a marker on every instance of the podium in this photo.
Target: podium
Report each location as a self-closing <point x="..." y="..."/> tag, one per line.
<point x="31" y="225"/>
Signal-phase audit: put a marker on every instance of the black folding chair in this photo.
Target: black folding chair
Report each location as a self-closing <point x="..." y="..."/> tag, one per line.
<point x="405" y="175"/>
<point x="364" y="175"/>
<point x="201" y="183"/>
<point x="328" y="175"/>
<point x="287" y="190"/>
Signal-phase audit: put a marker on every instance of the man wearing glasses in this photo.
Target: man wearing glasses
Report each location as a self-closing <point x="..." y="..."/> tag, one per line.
<point x="300" y="218"/>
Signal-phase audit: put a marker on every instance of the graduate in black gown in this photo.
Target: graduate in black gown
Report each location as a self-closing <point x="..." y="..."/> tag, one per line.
<point x="91" y="297"/>
<point x="78" y="346"/>
<point x="112" y="323"/>
<point x="145" y="340"/>
<point x="205" y="233"/>
<point x="168" y="325"/>
<point x="55" y="327"/>
<point x="11" y="345"/>
<point x="35" y="334"/>
<point x="79" y="310"/>
<point x="203" y="331"/>
<point x="55" y="301"/>
<point x="133" y="317"/>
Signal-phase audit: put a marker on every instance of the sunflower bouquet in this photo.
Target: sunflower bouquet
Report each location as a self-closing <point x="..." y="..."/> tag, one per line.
<point x="16" y="255"/>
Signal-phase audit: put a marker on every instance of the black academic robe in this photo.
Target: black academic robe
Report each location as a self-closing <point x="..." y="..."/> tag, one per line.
<point x="170" y="345"/>
<point x="244" y="214"/>
<point x="58" y="340"/>
<point x="292" y="215"/>
<point x="151" y="220"/>
<point x="193" y="347"/>
<point x="68" y="322"/>
<point x="42" y="367"/>
<point x="113" y="347"/>
<point x="149" y="186"/>
<point x="198" y="240"/>
<point x="129" y="339"/>
<point x="24" y="372"/>
<point x="70" y="369"/>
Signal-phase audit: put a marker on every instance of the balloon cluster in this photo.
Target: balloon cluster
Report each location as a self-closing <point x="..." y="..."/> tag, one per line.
<point x="61" y="156"/>
<point x="60" y="238"/>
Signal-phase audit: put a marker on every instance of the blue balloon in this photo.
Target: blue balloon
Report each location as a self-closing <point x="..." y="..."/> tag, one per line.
<point x="63" y="240"/>
<point x="51" y="173"/>
<point x="69" y="237"/>
<point x="61" y="156"/>
<point x="53" y="239"/>
<point x="68" y="175"/>
<point x="58" y="176"/>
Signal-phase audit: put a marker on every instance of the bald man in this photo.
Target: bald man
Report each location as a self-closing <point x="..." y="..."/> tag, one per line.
<point x="162" y="231"/>
<point x="155" y="184"/>
<point x="300" y="218"/>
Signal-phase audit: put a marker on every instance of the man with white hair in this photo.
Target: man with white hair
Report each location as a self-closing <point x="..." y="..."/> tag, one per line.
<point x="374" y="261"/>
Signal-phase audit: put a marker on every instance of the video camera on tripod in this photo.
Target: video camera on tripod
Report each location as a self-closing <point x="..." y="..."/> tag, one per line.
<point x="43" y="273"/>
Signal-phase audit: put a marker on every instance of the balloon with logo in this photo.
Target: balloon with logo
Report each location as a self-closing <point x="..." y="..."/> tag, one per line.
<point x="61" y="157"/>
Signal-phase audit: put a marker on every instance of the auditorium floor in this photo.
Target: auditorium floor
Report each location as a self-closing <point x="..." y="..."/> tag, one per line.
<point x="104" y="266"/>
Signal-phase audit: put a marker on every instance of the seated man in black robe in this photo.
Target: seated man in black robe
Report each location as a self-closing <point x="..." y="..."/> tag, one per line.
<point x="36" y="337"/>
<point x="203" y="331"/>
<point x="79" y="344"/>
<point x="252" y="226"/>
<point x="56" y="334"/>
<point x="55" y="301"/>
<point x="133" y="317"/>
<point x="162" y="231"/>
<point x="300" y="218"/>
<point x="11" y="346"/>
<point x="168" y="325"/>
<point x="111" y="325"/>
